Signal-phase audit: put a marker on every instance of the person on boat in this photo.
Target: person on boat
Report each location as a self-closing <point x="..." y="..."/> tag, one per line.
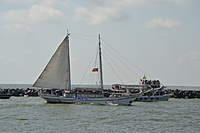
<point x="143" y="80"/>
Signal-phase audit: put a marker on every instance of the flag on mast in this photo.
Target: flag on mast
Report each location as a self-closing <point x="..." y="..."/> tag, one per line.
<point x="95" y="70"/>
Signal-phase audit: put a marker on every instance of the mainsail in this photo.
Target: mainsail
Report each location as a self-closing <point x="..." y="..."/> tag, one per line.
<point x="57" y="72"/>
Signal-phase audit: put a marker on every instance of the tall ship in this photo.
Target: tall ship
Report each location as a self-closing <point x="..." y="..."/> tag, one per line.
<point x="56" y="75"/>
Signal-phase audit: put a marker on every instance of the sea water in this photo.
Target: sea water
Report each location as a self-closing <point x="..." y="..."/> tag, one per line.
<point x="34" y="115"/>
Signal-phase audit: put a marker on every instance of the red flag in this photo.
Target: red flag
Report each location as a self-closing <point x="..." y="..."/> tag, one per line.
<point x="95" y="70"/>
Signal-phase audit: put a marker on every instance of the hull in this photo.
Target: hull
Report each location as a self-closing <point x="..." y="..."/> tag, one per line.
<point x="124" y="100"/>
<point x="4" y="96"/>
<point x="153" y="98"/>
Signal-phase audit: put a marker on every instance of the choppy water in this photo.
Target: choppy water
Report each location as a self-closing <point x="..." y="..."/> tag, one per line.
<point x="33" y="115"/>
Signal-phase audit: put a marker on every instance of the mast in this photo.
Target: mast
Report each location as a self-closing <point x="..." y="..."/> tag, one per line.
<point x="100" y="64"/>
<point x="69" y="73"/>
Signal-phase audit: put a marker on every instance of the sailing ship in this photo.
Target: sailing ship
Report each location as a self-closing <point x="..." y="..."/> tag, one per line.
<point x="56" y="75"/>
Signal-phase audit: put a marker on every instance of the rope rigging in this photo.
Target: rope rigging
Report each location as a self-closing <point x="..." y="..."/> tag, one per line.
<point x="127" y="60"/>
<point x="112" y="57"/>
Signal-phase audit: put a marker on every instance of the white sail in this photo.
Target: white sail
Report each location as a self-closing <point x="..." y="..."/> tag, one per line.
<point x="57" y="72"/>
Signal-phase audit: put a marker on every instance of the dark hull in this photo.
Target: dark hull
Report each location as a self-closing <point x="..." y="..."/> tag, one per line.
<point x="4" y="96"/>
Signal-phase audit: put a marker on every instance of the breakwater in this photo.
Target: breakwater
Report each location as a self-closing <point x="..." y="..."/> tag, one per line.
<point x="177" y="93"/>
<point x="20" y="92"/>
<point x="186" y="94"/>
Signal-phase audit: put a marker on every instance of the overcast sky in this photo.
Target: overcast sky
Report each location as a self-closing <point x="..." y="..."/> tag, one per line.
<point x="161" y="36"/>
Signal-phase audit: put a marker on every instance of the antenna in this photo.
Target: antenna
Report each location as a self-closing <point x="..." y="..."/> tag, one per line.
<point x="68" y="32"/>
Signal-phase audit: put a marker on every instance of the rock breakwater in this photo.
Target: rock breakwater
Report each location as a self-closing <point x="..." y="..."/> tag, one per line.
<point x="186" y="94"/>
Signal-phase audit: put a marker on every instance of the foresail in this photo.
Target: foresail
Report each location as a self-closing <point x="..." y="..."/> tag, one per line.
<point x="57" y="72"/>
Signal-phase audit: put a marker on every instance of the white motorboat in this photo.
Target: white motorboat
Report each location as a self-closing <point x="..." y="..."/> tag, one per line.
<point x="153" y="90"/>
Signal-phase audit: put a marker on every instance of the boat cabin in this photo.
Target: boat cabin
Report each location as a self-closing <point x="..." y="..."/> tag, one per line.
<point x="84" y="92"/>
<point x="131" y="88"/>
